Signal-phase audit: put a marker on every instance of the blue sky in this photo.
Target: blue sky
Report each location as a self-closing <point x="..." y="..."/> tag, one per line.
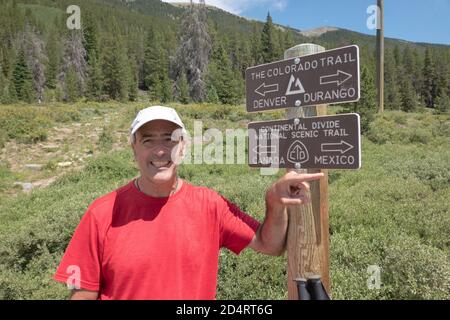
<point x="412" y="20"/>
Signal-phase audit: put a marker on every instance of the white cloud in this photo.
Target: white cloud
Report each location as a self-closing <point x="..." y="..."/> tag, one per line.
<point x="239" y="6"/>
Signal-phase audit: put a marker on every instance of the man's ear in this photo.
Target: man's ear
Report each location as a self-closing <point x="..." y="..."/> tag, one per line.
<point x="132" y="144"/>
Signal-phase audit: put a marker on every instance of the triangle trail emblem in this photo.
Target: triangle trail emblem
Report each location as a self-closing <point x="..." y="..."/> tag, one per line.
<point x="295" y="86"/>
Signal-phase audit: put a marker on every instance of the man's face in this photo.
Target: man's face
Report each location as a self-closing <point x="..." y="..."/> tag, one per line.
<point x="155" y="151"/>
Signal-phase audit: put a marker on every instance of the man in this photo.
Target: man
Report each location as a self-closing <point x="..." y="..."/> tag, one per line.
<point x="158" y="237"/>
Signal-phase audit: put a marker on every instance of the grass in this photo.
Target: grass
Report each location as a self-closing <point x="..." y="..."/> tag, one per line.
<point x="393" y="213"/>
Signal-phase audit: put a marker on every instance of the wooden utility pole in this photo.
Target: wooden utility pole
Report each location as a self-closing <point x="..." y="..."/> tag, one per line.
<point x="308" y="235"/>
<point x="380" y="54"/>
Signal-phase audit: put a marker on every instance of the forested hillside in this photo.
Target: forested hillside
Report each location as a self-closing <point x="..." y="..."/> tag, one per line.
<point x="129" y="49"/>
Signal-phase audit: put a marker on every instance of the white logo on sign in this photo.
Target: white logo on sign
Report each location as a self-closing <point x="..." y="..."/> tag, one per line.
<point x="297" y="84"/>
<point x="297" y="153"/>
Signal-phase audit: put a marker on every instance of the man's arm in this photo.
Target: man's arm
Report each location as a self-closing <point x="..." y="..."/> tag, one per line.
<point x="291" y="189"/>
<point x="83" y="295"/>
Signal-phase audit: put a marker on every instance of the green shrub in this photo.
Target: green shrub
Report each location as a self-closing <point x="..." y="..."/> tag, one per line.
<point x="24" y="124"/>
<point x="117" y="166"/>
<point x="6" y="176"/>
<point x="409" y="269"/>
<point x="3" y="138"/>
<point x="106" y="139"/>
<point x="400" y="128"/>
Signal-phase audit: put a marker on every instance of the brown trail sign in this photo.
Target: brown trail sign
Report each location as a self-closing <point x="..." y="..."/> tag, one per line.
<point x="322" y="78"/>
<point x="327" y="142"/>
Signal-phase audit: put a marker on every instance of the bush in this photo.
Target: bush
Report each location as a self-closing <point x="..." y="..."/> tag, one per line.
<point x="398" y="127"/>
<point x="29" y="124"/>
<point x="24" y="124"/>
<point x="106" y="139"/>
<point x="409" y="269"/>
<point x="3" y="138"/>
<point x="117" y="166"/>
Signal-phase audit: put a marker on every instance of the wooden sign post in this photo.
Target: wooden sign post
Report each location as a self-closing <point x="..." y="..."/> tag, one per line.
<point x="308" y="236"/>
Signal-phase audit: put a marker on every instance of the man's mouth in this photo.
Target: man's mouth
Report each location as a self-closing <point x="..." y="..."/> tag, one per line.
<point x="161" y="164"/>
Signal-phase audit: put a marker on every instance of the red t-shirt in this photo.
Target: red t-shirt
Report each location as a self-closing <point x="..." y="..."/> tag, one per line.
<point x="129" y="245"/>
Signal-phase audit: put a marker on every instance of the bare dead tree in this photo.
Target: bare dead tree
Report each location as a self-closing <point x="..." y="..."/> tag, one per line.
<point x="192" y="56"/>
<point x="75" y="59"/>
<point x="36" y="58"/>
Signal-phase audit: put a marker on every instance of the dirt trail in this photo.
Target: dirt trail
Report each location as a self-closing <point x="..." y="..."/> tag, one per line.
<point x="67" y="147"/>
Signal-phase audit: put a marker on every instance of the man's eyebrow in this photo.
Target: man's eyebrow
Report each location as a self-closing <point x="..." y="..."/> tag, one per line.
<point x="152" y="135"/>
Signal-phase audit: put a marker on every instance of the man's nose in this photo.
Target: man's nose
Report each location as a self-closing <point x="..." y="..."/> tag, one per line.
<point x="159" y="150"/>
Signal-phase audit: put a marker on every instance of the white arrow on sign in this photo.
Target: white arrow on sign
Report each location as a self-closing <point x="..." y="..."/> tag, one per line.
<point x="263" y="89"/>
<point x="341" y="147"/>
<point x="265" y="150"/>
<point x="339" y="78"/>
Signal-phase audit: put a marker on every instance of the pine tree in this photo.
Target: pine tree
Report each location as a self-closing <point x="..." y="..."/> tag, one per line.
<point x="367" y="105"/>
<point x="255" y="46"/>
<point x="212" y="96"/>
<point x="133" y="88"/>
<point x="155" y="91"/>
<point x="183" y="89"/>
<point x="407" y="93"/>
<point x="166" y="88"/>
<point x="90" y="41"/>
<point x="154" y="66"/>
<point x="412" y="69"/>
<point x="28" y="94"/>
<point x="72" y="86"/>
<point x="22" y="79"/>
<point x="94" y="84"/>
<point x="54" y="60"/>
<point x="443" y="103"/>
<point x="429" y="88"/>
<point x="288" y="40"/>
<point x="442" y="82"/>
<point x="223" y="78"/>
<point x="268" y="46"/>
<point x="3" y="87"/>
<point x="391" y="82"/>
<point x="417" y="74"/>
<point x="247" y="60"/>
<point x="115" y="69"/>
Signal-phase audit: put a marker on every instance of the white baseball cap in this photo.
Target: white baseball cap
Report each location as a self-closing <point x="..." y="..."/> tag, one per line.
<point x="156" y="113"/>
